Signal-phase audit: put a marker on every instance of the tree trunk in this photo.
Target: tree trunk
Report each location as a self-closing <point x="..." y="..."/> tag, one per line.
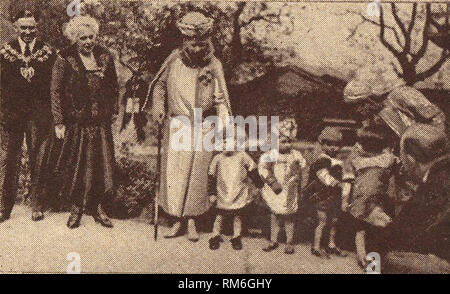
<point x="236" y="41"/>
<point x="409" y="72"/>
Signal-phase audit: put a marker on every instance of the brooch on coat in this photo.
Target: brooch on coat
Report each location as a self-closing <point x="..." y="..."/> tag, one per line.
<point x="206" y="77"/>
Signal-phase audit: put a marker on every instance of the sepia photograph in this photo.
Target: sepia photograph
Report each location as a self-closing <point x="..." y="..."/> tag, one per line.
<point x="224" y="137"/>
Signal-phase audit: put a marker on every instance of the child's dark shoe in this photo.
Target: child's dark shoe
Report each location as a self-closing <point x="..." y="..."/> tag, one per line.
<point x="289" y="249"/>
<point x="270" y="247"/>
<point x="214" y="242"/>
<point x="320" y="253"/>
<point x="236" y="243"/>
<point x="335" y="251"/>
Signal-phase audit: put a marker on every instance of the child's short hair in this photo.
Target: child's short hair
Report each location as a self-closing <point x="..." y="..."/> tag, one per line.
<point x="288" y="130"/>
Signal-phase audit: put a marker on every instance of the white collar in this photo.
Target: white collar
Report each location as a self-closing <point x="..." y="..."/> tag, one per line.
<point x="89" y="61"/>
<point x="23" y="44"/>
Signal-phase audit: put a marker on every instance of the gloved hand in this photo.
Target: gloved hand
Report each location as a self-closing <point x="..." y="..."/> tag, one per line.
<point x="60" y="131"/>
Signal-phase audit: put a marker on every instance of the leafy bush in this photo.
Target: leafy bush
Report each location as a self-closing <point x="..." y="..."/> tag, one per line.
<point x="136" y="187"/>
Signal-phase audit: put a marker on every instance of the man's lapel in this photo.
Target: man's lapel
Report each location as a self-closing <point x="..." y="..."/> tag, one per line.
<point x="38" y="45"/>
<point x="15" y="45"/>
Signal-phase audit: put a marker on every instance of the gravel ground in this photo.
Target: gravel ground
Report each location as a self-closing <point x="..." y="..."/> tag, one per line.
<point x="129" y="247"/>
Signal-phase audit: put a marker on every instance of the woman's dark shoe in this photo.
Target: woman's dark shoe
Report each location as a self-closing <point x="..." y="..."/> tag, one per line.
<point x="103" y="220"/>
<point x="236" y="243"/>
<point x="74" y="220"/>
<point x="270" y="247"/>
<point x="214" y="242"/>
<point x="37" y="216"/>
<point x="320" y="253"/>
<point x="335" y="251"/>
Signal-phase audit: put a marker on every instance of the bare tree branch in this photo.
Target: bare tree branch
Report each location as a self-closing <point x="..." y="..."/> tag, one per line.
<point x="270" y="17"/>
<point x="397" y="19"/>
<point x="425" y="37"/>
<point x="407" y="69"/>
<point x="368" y="20"/>
<point x="382" y="36"/>
<point x="401" y="25"/>
<point x="354" y="30"/>
<point x="413" y="18"/>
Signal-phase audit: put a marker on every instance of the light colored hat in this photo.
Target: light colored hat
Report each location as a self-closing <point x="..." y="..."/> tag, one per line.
<point x="377" y="79"/>
<point x="331" y="136"/>
<point x="195" y="24"/>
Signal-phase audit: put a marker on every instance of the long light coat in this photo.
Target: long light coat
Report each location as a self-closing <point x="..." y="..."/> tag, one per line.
<point x="184" y="174"/>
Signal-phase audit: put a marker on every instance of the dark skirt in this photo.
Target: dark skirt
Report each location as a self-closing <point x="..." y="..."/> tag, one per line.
<point x="82" y="165"/>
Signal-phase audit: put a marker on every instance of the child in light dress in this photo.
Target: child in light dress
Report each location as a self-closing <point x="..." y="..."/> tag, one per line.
<point x="229" y="174"/>
<point x="281" y="170"/>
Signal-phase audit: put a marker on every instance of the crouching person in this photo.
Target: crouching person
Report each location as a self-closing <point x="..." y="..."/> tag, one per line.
<point x="419" y="233"/>
<point x="282" y="173"/>
<point x="228" y="185"/>
<point x="369" y="170"/>
<point x="326" y="182"/>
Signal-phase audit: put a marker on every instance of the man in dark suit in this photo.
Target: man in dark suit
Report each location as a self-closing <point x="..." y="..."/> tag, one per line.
<point x="25" y="109"/>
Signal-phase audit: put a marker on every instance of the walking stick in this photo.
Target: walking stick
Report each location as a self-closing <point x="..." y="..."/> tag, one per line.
<point x="158" y="180"/>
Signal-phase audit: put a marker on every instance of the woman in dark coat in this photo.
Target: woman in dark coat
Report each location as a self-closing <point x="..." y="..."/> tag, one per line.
<point x="84" y="95"/>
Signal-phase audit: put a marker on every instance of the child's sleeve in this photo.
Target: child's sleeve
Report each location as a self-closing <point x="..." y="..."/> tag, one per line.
<point x="265" y="169"/>
<point x="252" y="171"/>
<point x="249" y="162"/>
<point x="348" y="177"/>
<point x="323" y="173"/>
<point x="212" y="176"/>
<point x="264" y="165"/>
<point x="212" y="171"/>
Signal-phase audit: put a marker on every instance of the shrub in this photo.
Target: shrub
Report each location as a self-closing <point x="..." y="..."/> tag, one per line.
<point x="136" y="187"/>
